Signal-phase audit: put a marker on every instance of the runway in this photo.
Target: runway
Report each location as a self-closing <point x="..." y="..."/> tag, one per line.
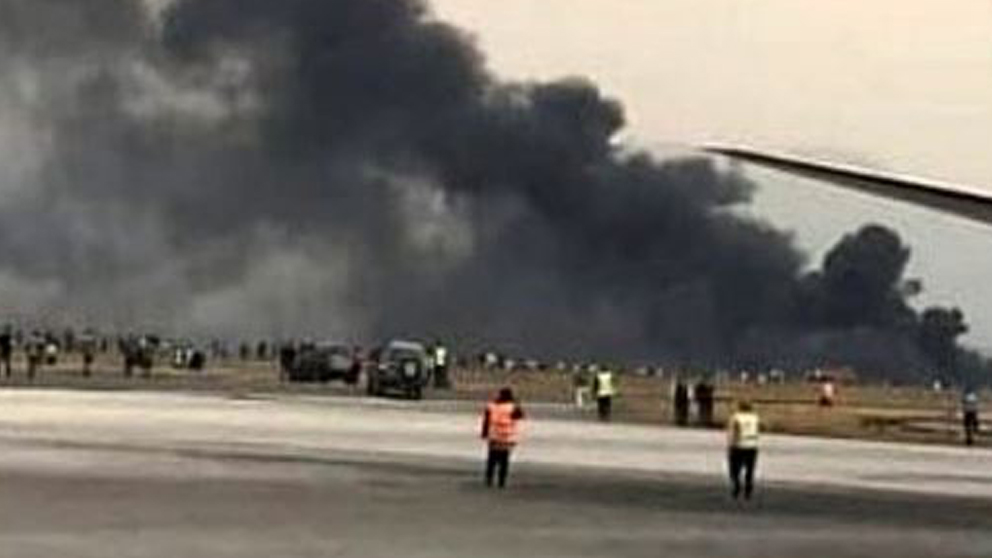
<point x="93" y="474"/>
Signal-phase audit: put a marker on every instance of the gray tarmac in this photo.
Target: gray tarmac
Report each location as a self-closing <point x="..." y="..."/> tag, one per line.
<point x="152" y="475"/>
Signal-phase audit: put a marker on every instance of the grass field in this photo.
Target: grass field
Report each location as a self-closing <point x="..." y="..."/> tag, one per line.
<point x="870" y="412"/>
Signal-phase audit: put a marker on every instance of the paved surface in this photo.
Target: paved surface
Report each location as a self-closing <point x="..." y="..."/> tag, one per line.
<point x="153" y="475"/>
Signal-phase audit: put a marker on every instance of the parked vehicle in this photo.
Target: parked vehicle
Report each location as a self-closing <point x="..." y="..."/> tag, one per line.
<point x="399" y="366"/>
<point x="324" y="362"/>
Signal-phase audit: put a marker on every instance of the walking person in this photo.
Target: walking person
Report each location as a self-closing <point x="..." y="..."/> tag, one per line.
<point x="500" y="428"/>
<point x="742" y="441"/>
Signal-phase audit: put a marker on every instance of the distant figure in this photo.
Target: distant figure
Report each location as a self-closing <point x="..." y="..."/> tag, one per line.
<point x="742" y="445"/>
<point x="287" y="358"/>
<point x="441" y="363"/>
<point x="500" y="430"/>
<point x="147" y="346"/>
<point x="828" y="393"/>
<point x="197" y="360"/>
<point x="87" y="346"/>
<point x="969" y="413"/>
<point x="704" y="392"/>
<point x="6" y="351"/>
<point x="580" y="384"/>
<point x="51" y="352"/>
<point x="604" y="389"/>
<point x="129" y="351"/>
<point x="262" y="351"/>
<point x="35" y="349"/>
<point x="680" y="403"/>
<point x="355" y="368"/>
<point x="245" y="352"/>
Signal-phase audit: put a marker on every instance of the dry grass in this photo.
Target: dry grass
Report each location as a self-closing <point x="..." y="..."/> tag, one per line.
<point x="871" y="412"/>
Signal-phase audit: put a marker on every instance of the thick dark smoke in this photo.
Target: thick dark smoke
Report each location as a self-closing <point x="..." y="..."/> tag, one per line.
<point x="350" y="168"/>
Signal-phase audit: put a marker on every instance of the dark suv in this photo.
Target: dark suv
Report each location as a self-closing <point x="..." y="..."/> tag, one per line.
<point x="399" y="366"/>
<point x="323" y="363"/>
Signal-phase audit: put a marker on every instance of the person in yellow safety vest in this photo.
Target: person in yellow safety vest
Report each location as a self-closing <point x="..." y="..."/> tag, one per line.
<point x="500" y="429"/>
<point x="742" y="441"/>
<point x="605" y="389"/>
<point x="440" y="357"/>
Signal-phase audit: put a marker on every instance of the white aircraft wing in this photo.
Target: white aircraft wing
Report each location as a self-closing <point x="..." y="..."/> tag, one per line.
<point x="946" y="198"/>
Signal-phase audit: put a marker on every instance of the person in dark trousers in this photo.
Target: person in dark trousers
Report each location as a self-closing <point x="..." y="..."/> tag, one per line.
<point x="681" y="403"/>
<point x="704" y="392"/>
<point x="441" y="358"/>
<point x="742" y="446"/>
<point x="969" y="414"/>
<point x="287" y="359"/>
<point x="147" y="346"/>
<point x="128" y="349"/>
<point x="6" y="351"/>
<point x="604" y="389"/>
<point x="87" y="347"/>
<point x="500" y="430"/>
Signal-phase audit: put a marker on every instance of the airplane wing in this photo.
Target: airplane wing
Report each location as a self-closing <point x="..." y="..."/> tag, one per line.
<point x="945" y="198"/>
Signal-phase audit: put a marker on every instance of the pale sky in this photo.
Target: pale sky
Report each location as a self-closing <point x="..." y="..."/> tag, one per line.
<point x="901" y="85"/>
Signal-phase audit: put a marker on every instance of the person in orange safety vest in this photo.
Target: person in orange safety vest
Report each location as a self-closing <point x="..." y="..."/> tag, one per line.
<point x="501" y="430"/>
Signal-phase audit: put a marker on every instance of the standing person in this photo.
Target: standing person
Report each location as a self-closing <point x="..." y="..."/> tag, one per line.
<point x="500" y="430"/>
<point x="580" y="383"/>
<point x="126" y="345"/>
<point x="35" y="354"/>
<point x="287" y="359"/>
<point x="87" y="346"/>
<point x="6" y="351"/>
<point x="680" y="398"/>
<point x="147" y="345"/>
<point x="704" y="392"/>
<point x="441" y="380"/>
<point x="828" y="393"/>
<point x="51" y="351"/>
<point x="742" y="443"/>
<point x="969" y="413"/>
<point x="604" y="388"/>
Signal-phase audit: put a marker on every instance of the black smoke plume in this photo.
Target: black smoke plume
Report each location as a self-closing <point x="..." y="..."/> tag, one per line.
<point x="349" y="168"/>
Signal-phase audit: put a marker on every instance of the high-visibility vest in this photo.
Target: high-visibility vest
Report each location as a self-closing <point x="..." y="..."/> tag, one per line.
<point x="604" y="384"/>
<point x="743" y="430"/>
<point x="502" y="425"/>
